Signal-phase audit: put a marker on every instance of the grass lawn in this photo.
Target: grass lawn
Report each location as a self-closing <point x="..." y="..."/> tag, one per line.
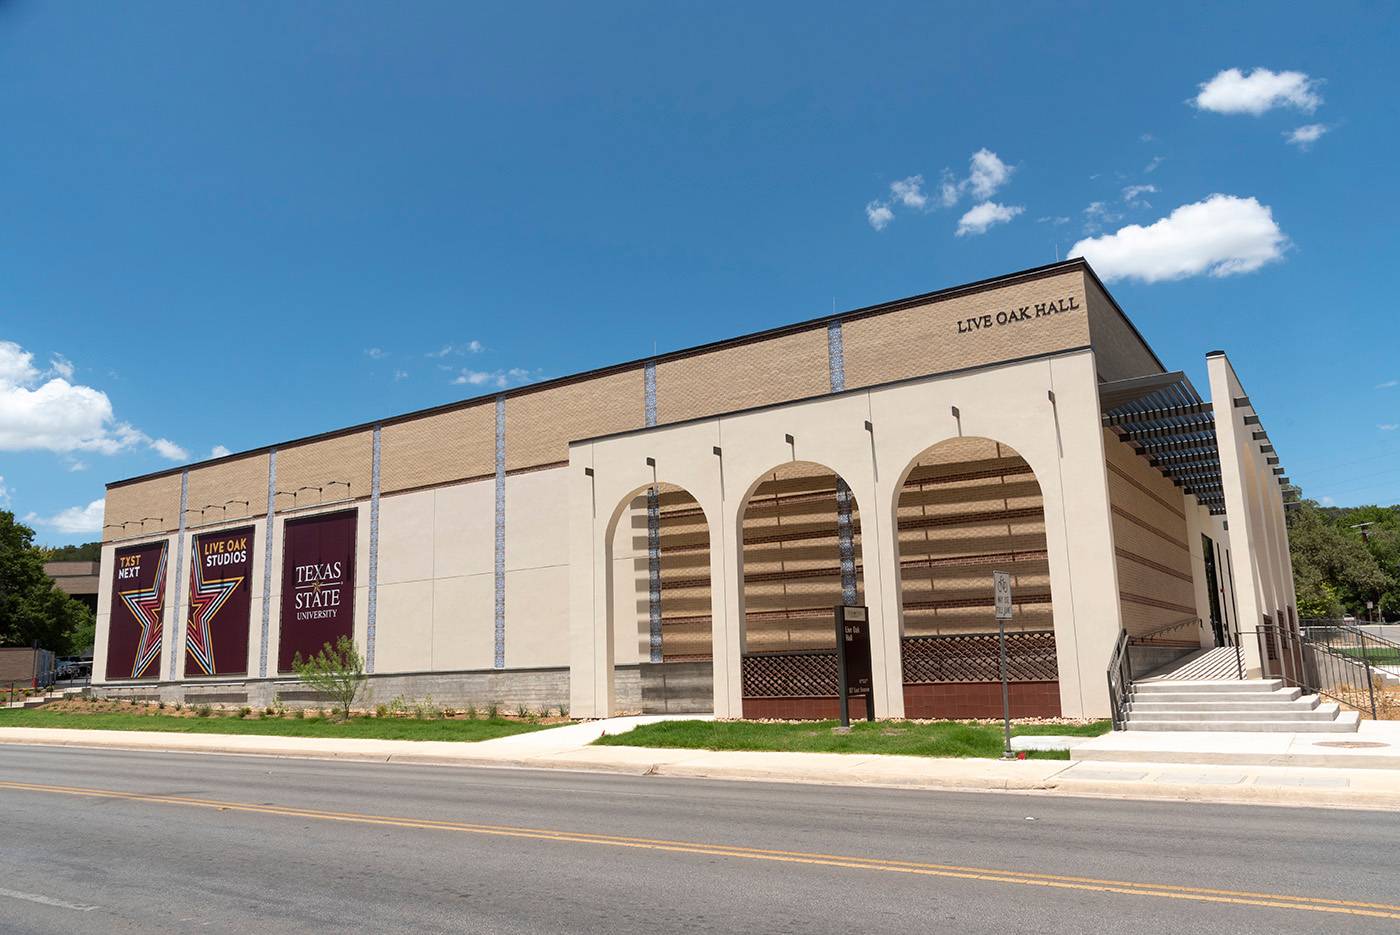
<point x="1379" y="655"/>
<point x="939" y="738"/>
<point x="359" y="727"/>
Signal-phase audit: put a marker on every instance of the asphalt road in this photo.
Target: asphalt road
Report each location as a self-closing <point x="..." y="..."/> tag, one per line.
<point x="105" y="841"/>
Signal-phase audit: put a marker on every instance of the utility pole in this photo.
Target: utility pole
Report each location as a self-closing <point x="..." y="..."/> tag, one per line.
<point x="1366" y="541"/>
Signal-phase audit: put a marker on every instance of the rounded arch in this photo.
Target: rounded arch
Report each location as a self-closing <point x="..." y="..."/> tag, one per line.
<point x="967" y="506"/>
<point x="658" y="541"/>
<point x="800" y="543"/>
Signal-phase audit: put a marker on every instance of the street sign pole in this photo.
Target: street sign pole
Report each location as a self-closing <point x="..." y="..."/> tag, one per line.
<point x="1001" y="588"/>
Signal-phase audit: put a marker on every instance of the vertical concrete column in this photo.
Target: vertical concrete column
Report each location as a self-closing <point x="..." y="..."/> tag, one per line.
<point x="176" y="643"/>
<point x="590" y="604"/>
<point x="267" y="560"/>
<point x="880" y="555"/>
<point x="727" y="578"/>
<point x="373" y="594"/>
<point x="1232" y="439"/>
<point x="1196" y="517"/>
<point x="1079" y="527"/>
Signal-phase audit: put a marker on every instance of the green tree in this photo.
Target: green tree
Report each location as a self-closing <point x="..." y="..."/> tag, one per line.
<point x="32" y="608"/>
<point x="337" y="672"/>
<point x="86" y="552"/>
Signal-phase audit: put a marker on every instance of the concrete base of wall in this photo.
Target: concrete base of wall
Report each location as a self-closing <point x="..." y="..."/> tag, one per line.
<point x="1148" y="659"/>
<point x="677" y="687"/>
<point x="801" y="709"/>
<point x="509" y="688"/>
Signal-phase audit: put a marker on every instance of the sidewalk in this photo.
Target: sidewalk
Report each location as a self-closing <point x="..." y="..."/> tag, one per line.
<point x="569" y="748"/>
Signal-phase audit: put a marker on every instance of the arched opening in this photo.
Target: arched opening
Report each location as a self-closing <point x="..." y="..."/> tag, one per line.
<point x="968" y="507"/>
<point x="801" y="558"/>
<point x="663" y="649"/>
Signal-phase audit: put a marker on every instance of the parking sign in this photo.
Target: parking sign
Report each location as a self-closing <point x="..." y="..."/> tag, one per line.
<point x="1001" y="587"/>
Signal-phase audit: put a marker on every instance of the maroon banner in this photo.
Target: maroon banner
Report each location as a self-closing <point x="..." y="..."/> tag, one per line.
<point x="318" y="584"/>
<point x="138" y="608"/>
<point x="221" y="576"/>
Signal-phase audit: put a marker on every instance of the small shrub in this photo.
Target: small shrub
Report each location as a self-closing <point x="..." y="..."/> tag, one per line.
<point x="160" y="705"/>
<point x="493" y="710"/>
<point x="298" y="713"/>
<point x="279" y="707"/>
<point x="522" y="712"/>
<point x="563" y="710"/>
<point x="179" y="706"/>
<point x="203" y="710"/>
<point x="269" y="711"/>
<point x="471" y="712"/>
<point x="244" y="711"/>
<point x="425" y="710"/>
<point x="397" y="706"/>
<point x="381" y="710"/>
<point x="337" y="671"/>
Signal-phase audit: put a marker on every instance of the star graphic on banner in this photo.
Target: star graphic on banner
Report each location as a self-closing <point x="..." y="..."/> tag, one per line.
<point x="206" y="597"/>
<point x="147" y="606"/>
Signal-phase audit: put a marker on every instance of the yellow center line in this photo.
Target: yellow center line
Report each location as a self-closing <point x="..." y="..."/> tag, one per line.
<point x="984" y="874"/>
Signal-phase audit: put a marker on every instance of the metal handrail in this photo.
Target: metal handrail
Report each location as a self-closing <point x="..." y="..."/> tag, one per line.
<point x="1316" y="667"/>
<point x="1146" y="638"/>
<point x="1120" y="680"/>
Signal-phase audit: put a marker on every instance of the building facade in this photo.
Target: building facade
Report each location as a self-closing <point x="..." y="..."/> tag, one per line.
<point x="672" y="534"/>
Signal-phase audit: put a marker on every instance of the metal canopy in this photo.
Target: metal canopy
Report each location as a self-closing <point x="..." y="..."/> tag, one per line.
<point x="1165" y="420"/>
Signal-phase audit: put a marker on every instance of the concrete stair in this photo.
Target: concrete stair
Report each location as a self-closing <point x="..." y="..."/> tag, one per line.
<point x="1233" y="705"/>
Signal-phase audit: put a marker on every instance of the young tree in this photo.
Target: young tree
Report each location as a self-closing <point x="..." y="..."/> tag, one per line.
<point x="336" y="671"/>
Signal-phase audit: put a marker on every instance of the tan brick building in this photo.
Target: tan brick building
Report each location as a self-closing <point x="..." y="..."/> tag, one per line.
<point x="673" y="533"/>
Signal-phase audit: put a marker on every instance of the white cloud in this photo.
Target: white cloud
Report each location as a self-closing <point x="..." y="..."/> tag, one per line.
<point x="878" y="214"/>
<point x="949" y="191"/>
<point x="62" y="366"/>
<point x="1097" y="214"/>
<point x="219" y="451"/>
<point x="983" y="216"/>
<point x="75" y="519"/>
<point x="910" y="191"/>
<point x="988" y="173"/>
<point x="1388" y="426"/>
<point x="471" y="347"/>
<point x="498" y="379"/>
<point x="1303" y="137"/>
<point x="1056" y="220"/>
<point x="1132" y="195"/>
<point x="1327" y="501"/>
<point x="1221" y="236"/>
<point x="376" y="353"/>
<point x="4" y="492"/>
<point x="59" y="416"/>
<point x="400" y="375"/>
<point x="1233" y="92"/>
<point x="1388" y="384"/>
<point x="1152" y="166"/>
<point x="1147" y="138"/>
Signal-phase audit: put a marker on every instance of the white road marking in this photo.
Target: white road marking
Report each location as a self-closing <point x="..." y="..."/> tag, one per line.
<point x="44" y="900"/>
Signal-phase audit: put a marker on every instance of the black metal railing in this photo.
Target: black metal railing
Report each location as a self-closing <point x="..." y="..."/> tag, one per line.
<point x="1178" y="632"/>
<point x="1120" y="681"/>
<point x="1318" y="667"/>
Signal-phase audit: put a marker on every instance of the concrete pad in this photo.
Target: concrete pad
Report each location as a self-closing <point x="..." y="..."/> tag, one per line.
<point x="1197" y="779"/>
<point x="1105" y="775"/>
<point x="1304" y="782"/>
<point x="1046" y="742"/>
<point x="1375" y="745"/>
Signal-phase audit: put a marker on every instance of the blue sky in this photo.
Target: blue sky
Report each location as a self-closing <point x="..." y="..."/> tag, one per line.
<point x="234" y="224"/>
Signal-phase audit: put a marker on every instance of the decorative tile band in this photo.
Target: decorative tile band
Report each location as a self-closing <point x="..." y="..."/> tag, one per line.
<point x="176" y="646"/>
<point x="654" y="571"/>
<point x="649" y="375"/>
<point x="500" y="660"/>
<point x="653" y="531"/>
<point x="267" y="560"/>
<point x="373" y="554"/>
<point x="845" y="540"/>
<point x="836" y="356"/>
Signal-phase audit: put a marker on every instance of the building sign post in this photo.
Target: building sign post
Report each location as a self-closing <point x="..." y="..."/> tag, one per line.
<point x="853" y="660"/>
<point x="1001" y="589"/>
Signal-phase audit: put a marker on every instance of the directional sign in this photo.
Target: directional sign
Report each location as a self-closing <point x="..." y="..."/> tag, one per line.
<point x="1001" y="587"/>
